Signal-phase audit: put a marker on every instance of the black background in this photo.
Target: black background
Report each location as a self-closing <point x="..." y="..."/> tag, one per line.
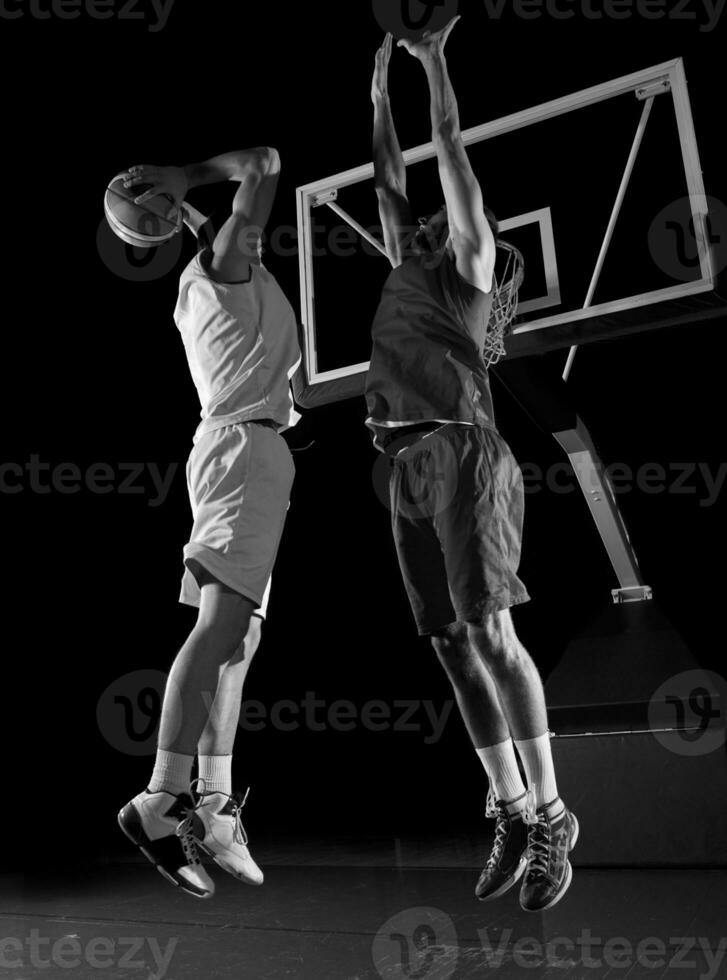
<point x="94" y="372"/>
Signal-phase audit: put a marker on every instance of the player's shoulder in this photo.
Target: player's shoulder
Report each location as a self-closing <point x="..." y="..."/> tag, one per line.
<point x="194" y="269"/>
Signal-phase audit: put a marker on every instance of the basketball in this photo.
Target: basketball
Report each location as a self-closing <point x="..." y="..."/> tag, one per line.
<point x="143" y="225"/>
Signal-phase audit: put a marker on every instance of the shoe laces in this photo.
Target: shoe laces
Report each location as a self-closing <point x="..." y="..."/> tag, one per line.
<point x="530" y="813"/>
<point x="499" y="842"/>
<point x="494" y="812"/>
<point x="234" y="804"/>
<point x="490" y="806"/>
<point x="185" y="833"/>
<point x="539" y="849"/>
<point x="538" y="839"/>
<point x="237" y="802"/>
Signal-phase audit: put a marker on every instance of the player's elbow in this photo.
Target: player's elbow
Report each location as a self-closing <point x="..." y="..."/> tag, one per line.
<point x="268" y="160"/>
<point x="388" y="187"/>
<point x="263" y="161"/>
<point x="485" y="249"/>
<point x="448" y="135"/>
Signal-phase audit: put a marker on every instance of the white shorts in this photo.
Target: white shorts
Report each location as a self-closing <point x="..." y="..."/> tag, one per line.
<point x="239" y="480"/>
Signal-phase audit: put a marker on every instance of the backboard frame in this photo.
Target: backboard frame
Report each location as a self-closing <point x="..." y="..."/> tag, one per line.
<point x="317" y="387"/>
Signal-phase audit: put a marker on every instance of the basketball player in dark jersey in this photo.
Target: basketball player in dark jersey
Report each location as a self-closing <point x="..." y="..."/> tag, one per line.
<point x="456" y="490"/>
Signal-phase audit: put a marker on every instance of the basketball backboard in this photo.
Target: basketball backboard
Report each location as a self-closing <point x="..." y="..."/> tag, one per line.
<point x="595" y="189"/>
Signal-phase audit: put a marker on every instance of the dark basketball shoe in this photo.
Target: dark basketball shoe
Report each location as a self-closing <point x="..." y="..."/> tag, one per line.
<point x="507" y="859"/>
<point x="160" y="825"/>
<point x="553" y="832"/>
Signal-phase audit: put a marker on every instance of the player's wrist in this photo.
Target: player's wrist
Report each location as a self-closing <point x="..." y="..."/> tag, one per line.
<point x="191" y="174"/>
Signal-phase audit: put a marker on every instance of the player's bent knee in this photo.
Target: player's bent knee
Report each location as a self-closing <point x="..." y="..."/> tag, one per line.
<point x="224" y="623"/>
<point x="246" y="650"/>
<point x="254" y="634"/>
<point x="495" y="640"/>
<point x="452" y="647"/>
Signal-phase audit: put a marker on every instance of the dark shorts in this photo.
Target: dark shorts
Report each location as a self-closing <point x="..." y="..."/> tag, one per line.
<point x="457" y="504"/>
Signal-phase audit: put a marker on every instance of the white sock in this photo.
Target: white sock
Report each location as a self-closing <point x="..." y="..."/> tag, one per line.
<point x="216" y="771"/>
<point x="172" y="773"/>
<point x="500" y="764"/>
<point x="538" y="765"/>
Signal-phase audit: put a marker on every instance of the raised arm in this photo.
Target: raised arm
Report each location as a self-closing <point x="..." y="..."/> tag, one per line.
<point x="472" y="238"/>
<point x="389" y="168"/>
<point x="237" y="244"/>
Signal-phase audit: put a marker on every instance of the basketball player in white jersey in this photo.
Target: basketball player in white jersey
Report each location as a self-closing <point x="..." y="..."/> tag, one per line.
<point x="241" y="340"/>
<point x="456" y="490"/>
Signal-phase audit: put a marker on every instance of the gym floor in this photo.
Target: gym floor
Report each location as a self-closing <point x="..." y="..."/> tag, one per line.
<point x="374" y="908"/>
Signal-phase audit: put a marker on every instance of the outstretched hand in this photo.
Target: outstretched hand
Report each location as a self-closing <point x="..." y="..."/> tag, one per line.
<point x="430" y="43"/>
<point x="164" y="180"/>
<point x="380" y="84"/>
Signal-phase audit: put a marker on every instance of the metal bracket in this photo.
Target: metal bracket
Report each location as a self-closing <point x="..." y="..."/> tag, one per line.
<point x="633" y="593"/>
<point x="659" y="87"/>
<point x="601" y="500"/>
<point x="327" y="197"/>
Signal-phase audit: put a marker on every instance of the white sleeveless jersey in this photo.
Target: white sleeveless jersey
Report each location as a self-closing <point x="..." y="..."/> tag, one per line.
<point x="242" y="346"/>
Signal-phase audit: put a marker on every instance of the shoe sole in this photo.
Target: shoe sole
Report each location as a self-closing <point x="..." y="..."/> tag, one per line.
<point x="507" y="884"/>
<point x="568" y="871"/>
<point x="178" y="883"/>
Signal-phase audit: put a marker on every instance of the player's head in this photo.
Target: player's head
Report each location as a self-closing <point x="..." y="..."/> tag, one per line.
<point x="434" y="232"/>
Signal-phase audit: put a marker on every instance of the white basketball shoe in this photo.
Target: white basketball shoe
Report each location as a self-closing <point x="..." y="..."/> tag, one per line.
<point x="223" y="836"/>
<point x="164" y="827"/>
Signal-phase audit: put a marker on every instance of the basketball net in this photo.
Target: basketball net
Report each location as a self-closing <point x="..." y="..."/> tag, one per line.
<point x="504" y="302"/>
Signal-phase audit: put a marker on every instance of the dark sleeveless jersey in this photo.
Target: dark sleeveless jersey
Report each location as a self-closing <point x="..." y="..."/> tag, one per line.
<point x="428" y="337"/>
